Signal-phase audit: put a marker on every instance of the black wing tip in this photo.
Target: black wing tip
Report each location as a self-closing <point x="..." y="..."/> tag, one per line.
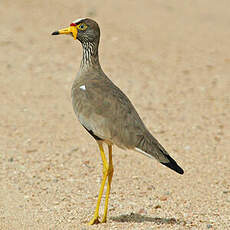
<point x="173" y="165"/>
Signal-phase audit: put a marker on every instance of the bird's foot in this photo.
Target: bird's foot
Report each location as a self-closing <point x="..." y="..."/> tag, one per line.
<point x="104" y="220"/>
<point x="95" y="220"/>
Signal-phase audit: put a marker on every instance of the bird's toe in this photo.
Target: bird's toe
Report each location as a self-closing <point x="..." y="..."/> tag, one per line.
<point x="94" y="220"/>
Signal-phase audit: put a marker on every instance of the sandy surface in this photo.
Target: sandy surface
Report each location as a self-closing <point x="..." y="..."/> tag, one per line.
<point x="172" y="58"/>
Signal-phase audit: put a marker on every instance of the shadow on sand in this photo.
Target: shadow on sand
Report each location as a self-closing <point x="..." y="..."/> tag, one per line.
<point x="137" y="218"/>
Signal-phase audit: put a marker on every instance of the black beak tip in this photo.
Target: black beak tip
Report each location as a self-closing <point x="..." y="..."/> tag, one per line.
<point x="55" y="33"/>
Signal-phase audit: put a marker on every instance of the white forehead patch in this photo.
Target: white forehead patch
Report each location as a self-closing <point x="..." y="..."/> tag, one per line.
<point x="78" y="20"/>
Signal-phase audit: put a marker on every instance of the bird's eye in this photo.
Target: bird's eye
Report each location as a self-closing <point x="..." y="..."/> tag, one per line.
<point x="82" y="26"/>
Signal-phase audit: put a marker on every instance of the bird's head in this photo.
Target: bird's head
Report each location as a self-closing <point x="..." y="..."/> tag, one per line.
<point x="85" y="30"/>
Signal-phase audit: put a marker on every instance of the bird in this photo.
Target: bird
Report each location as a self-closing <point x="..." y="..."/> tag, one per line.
<point x="106" y="112"/>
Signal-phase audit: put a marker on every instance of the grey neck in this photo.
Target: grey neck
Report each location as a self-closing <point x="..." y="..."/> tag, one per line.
<point x="90" y="57"/>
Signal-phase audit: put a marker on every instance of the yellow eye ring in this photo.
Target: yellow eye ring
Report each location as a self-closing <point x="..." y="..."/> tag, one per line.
<point x="82" y="26"/>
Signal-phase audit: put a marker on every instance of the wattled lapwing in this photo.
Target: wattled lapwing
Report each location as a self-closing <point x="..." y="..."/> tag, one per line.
<point x="106" y="112"/>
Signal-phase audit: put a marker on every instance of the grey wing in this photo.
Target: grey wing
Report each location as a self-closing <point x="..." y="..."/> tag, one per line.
<point x="107" y="112"/>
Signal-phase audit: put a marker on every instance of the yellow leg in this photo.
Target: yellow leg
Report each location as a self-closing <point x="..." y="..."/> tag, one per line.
<point x="110" y="176"/>
<point x="95" y="219"/>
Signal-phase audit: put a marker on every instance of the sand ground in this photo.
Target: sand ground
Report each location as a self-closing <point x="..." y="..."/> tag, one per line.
<point x="172" y="58"/>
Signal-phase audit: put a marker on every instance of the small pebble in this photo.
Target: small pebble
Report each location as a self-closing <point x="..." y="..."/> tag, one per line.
<point x="217" y="138"/>
<point x="11" y="159"/>
<point x="141" y="211"/>
<point x="73" y="150"/>
<point x="31" y="150"/>
<point x="163" y="198"/>
<point x="226" y="192"/>
<point x="209" y="226"/>
<point x="187" y="147"/>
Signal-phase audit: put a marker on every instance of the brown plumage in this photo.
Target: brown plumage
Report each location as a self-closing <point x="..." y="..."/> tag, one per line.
<point x="104" y="110"/>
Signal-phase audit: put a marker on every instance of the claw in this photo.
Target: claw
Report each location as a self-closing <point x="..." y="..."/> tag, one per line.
<point x="104" y="220"/>
<point x="95" y="220"/>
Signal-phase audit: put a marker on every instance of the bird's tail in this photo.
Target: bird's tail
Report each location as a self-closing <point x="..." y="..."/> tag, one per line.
<point x="150" y="147"/>
<point x="173" y="165"/>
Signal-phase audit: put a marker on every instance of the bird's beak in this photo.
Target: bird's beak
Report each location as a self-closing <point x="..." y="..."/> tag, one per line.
<point x="68" y="30"/>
